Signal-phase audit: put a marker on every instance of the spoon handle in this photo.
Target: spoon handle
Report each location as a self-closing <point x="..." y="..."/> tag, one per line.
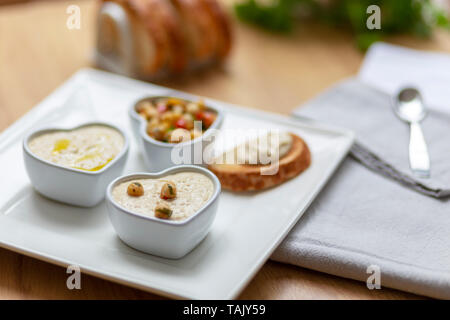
<point x="418" y="152"/>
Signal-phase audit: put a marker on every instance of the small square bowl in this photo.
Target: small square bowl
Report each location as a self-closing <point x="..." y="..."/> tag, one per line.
<point x="69" y="185"/>
<point x="164" y="238"/>
<point x="158" y="154"/>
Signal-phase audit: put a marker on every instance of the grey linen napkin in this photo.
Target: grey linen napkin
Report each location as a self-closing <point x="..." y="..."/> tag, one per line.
<point x="370" y="213"/>
<point x="382" y="139"/>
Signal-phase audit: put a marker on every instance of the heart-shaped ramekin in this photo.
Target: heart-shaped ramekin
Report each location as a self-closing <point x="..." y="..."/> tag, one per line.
<point x="157" y="154"/>
<point x="164" y="238"/>
<point x="72" y="186"/>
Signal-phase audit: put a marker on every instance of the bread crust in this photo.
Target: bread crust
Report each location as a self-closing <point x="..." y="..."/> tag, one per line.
<point x="222" y="26"/>
<point x="176" y="51"/>
<point x="142" y="17"/>
<point x="236" y="177"/>
<point x="198" y="29"/>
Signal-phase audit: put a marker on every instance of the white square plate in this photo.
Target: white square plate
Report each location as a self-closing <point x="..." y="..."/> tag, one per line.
<point x="247" y="229"/>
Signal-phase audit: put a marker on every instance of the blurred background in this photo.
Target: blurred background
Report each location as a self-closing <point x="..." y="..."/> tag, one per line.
<point x="277" y="60"/>
<point x="282" y="53"/>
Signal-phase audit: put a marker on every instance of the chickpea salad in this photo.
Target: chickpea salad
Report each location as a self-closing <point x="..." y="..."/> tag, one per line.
<point x="174" y="120"/>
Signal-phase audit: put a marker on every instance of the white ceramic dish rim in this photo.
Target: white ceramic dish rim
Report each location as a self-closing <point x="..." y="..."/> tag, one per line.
<point x="50" y="128"/>
<point x="171" y="170"/>
<point x="143" y="123"/>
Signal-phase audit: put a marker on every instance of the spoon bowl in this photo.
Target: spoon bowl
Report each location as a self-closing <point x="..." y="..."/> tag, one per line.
<point x="409" y="105"/>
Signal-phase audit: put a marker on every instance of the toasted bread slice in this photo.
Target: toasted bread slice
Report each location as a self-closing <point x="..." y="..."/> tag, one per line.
<point x="244" y="177"/>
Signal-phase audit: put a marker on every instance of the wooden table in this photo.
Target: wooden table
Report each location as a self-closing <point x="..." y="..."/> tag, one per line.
<point x="271" y="72"/>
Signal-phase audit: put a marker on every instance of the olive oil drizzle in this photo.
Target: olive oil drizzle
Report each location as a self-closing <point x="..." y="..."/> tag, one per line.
<point x="99" y="167"/>
<point x="61" y="144"/>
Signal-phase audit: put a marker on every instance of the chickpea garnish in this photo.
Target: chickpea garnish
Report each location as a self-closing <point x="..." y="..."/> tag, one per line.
<point x="178" y="109"/>
<point x="170" y="116"/>
<point x="152" y="123"/>
<point x="141" y="106"/>
<point x="150" y="112"/>
<point x="163" y="211"/>
<point x="192" y="108"/>
<point x="189" y="121"/>
<point x="180" y="135"/>
<point x="168" y="190"/>
<point x="135" y="189"/>
<point x="146" y="110"/>
<point x="157" y="132"/>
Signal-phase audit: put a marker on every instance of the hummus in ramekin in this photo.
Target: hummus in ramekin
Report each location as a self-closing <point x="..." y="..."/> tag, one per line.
<point x="193" y="191"/>
<point x="88" y="148"/>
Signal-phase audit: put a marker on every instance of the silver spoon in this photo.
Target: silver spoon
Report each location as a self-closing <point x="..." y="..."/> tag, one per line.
<point x="409" y="107"/>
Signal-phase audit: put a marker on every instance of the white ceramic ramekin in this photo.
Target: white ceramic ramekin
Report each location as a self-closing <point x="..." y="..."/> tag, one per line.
<point x="164" y="238"/>
<point x="157" y="154"/>
<point x="69" y="185"/>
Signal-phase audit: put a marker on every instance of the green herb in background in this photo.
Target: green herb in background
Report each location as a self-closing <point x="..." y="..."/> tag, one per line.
<point x="417" y="17"/>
